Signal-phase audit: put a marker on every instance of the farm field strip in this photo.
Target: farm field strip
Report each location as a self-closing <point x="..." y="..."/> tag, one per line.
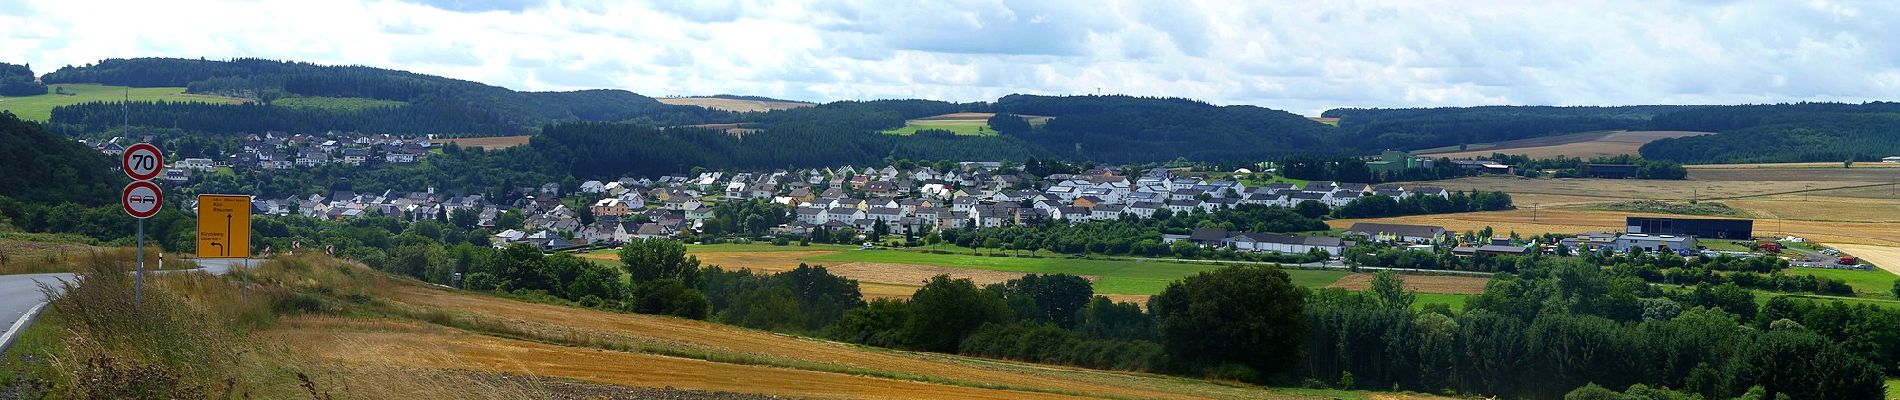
<point x="1582" y="144"/>
<point x="1117" y="276"/>
<point x="965" y="124"/>
<point x="489" y="143"/>
<point x="734" y="105"/>
<point x="1439" y="284"/>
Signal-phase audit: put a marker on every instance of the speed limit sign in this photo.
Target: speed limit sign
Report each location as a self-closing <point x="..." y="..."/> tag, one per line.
<point x="143" y="161"/>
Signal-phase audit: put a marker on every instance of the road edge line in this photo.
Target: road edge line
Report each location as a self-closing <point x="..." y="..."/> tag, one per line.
<point x="6" y="341"/>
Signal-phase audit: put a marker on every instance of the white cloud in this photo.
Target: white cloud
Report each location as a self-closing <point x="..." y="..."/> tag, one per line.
<point x="1299" y="57"/>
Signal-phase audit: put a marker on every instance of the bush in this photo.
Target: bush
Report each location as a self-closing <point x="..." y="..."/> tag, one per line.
<point x="669" y="296"/>
<point x="1249" y="316"/>
<point x="945" y="310"/>
<point x="879" y="323"/>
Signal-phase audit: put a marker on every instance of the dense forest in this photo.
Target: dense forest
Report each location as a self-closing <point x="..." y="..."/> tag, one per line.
<point x="41" y="167"/>
<point x="1125" y="129"/>
<point x="1831" y="132"/>
<point x="1421" y="128"/>
<point x="448" y="105"/>
<point x="17" y="80"/>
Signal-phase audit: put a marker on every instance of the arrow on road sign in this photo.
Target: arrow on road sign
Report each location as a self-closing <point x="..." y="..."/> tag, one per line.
<point x="230" y="239"/>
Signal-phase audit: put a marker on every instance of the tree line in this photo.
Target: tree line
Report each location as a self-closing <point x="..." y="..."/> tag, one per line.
<point x="1552" y="328"/>
<point x="1421" y="128"/>
<point x="18" y="80"/>
<point x="1801" y="132"/>
<point x="432" y="104"/>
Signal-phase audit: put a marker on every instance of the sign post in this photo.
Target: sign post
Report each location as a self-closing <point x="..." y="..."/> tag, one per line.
<point x="141" y="198"/>
<point x="224" y="226"/>
<point x="224" y="231"/>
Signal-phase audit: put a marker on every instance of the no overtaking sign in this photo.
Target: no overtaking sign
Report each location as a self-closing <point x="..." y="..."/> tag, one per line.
<point x="142" y="199"/>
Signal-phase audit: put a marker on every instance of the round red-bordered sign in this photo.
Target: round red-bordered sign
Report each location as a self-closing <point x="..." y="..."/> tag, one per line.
<point x="142" y="199"/>
<point x="142" y="161"/>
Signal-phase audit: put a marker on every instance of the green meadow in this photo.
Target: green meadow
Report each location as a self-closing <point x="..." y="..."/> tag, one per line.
<point x="40" y="108"/>
<point x="1117" y="276"/>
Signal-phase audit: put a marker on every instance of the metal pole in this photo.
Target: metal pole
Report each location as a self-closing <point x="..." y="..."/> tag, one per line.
<point x="138" y="287"/>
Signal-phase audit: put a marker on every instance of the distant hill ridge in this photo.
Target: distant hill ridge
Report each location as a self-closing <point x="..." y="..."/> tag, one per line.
<point x="453" y="105"/>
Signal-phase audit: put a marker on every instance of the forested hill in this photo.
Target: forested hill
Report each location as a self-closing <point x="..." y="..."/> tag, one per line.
<point x="41" y="167"/>
<point x="1800" y="132"/>
<point x="450" y="106"/>
<point x="1123" y="129"/>
<point x="1422" y="128"/>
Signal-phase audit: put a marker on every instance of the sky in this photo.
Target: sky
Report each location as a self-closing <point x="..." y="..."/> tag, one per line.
<point x="1300" y="56"/>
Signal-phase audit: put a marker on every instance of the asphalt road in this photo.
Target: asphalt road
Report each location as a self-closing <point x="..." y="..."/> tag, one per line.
<point x="20" y="295"/>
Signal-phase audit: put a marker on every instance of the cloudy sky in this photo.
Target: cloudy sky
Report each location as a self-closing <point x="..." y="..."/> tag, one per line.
<point x="1303" y="56"/>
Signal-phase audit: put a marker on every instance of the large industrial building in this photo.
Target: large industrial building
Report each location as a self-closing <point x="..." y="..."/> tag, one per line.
<point x="1705" y="228"/>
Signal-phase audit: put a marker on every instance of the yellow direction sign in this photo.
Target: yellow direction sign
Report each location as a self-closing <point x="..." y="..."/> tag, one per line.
<point x="224" y="226"/>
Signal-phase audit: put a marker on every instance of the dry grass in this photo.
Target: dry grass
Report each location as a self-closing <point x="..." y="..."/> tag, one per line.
<point x="489" y="143"/>
<point x="1447" y="284"/>
<point x="734" y="105"/>
<point x="1582" y="145"/>
<point x="886" y="291"/>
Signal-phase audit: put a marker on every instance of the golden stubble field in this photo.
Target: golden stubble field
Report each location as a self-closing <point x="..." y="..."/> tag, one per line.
<point x="948" y="376"/>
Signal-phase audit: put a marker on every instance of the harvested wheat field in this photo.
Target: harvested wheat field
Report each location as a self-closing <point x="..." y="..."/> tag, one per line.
<point x="1575" y="221"/>
<point x="1582" y="145"/>
<point x="704" y="337"/>
<point x="1819" y="207"/>
<point x="734" y="105"/>
<point x="886" y="291"/>
<point x="489" y="143"/>
<point x="427" y="348"/>
<point x="1608" y="190"/>
<point x="1446" y="284"/>
<point x="760" y="261"/>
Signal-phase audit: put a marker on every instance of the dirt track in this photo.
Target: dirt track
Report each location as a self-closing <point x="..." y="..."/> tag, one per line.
<point x="1422" y="283"/>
